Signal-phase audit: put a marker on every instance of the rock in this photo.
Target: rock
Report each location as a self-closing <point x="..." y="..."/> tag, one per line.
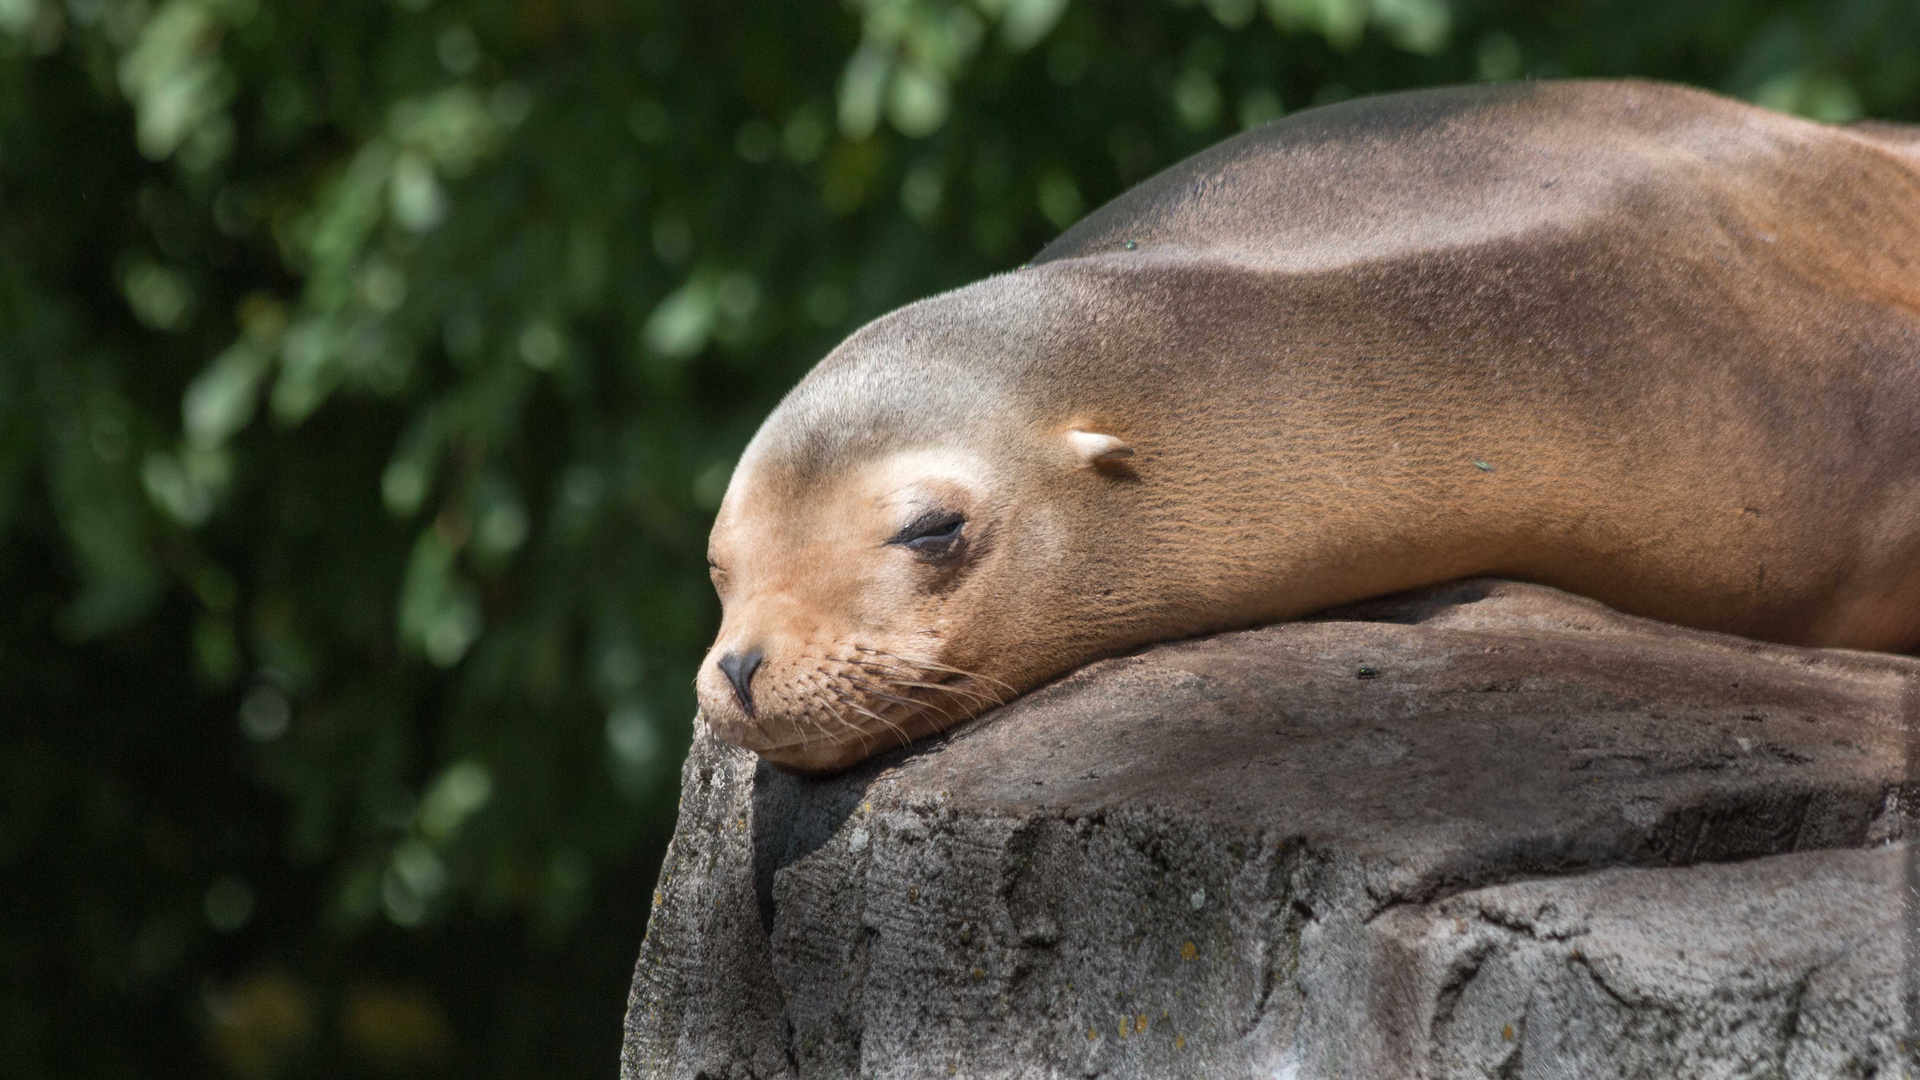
<point x="1485" y="830"/>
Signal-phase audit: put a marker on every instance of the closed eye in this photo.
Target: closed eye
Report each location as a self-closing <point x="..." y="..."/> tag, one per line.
<point x="931" y="531"/>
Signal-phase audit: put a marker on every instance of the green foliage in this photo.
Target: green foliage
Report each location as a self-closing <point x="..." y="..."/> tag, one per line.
<point x="370" y="370"/>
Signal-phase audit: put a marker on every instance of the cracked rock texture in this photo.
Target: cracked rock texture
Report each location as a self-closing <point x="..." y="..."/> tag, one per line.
<point x="1486" y="830"/>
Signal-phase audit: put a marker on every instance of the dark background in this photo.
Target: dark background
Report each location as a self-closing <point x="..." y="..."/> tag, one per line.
<point x="370" y="370"/>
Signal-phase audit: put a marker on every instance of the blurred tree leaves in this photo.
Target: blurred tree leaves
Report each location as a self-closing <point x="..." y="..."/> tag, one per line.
<point x="369" y="373"/>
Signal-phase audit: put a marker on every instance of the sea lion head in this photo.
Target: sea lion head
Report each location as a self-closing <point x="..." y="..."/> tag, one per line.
<point x="888" y="554"/>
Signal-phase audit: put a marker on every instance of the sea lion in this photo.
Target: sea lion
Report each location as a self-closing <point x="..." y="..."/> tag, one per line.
<point x="1639" y="342"/>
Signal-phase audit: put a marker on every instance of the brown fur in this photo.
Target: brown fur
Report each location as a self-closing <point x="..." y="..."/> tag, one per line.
<point x="1639" y="342"/>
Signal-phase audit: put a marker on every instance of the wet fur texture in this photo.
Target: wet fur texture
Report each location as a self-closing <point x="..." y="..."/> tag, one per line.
<point x="1638" y="342"/>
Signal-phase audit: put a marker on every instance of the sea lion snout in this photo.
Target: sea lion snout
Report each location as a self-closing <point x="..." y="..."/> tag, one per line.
<point x="739" y="668"/>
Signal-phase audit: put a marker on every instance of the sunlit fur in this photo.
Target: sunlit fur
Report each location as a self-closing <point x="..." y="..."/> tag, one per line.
<point x="1638" y="342"/>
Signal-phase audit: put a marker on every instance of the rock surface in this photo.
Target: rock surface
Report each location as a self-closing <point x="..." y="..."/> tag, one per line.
<point x="1486" y="830"/>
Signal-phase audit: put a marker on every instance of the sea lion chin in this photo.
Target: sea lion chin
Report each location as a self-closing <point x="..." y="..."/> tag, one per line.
<point x="1638" y="342"/>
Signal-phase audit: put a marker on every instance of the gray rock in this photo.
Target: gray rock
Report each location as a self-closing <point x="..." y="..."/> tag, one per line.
<point x="1486" y="830"/>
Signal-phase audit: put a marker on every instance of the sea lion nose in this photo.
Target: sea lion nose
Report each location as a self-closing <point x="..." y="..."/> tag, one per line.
<point x="739" y="669"/>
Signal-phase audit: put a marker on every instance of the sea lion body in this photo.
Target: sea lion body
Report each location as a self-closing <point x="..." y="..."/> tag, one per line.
<point x="1638" y="342"/>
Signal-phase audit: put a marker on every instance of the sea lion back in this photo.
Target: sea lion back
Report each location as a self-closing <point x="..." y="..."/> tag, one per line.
<point x="1405" y="176"/>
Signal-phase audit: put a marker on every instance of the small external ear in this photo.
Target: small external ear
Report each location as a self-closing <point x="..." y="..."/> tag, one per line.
<point x="1094" y="449"/>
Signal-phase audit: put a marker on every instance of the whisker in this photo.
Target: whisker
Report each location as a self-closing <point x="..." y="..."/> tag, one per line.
<point x="863" y="682"/>
<point x="820" y="682"/>
<point x="963" y="691"/>
<point x="846" y="725"/>
<point x="879" y="690"/>
<point x="893" y="680"/>
<point x="888" y="680"/>
<point x="917" y="706"/>
<point x="862" y="709"/>
<point x="850" y="702"/>
<point x="935" y="665"/>
<point x="883" y="671"/>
